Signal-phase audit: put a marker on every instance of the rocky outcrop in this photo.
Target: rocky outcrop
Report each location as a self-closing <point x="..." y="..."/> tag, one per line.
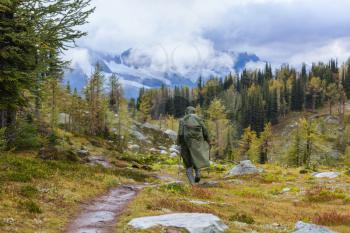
<point x="302" y="227"/>
<point x="245" y="167"/>
<point x="171" y="134"/>
<point x="192" y="222"/>
<point x="99" y="160"/>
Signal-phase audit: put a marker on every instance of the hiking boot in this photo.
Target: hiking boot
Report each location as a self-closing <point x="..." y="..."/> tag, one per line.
<point x="198" y="176"/>
<point x="189" y="173"/>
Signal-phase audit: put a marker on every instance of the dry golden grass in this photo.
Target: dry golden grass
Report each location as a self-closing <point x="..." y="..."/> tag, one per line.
<point x="253" y="199"/>
<point x="332" y="218"/>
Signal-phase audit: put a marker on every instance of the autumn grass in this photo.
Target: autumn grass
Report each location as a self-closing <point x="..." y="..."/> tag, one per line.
<point x="255" y="201"/>
<point x="41" y="196"/>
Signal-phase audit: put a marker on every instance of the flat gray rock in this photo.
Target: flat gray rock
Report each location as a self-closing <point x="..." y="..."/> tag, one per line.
<point x="326" y="174"/>
<point x="302" y="227"/>
<point x="245" y="167"/>
<point x="192" y="222"/>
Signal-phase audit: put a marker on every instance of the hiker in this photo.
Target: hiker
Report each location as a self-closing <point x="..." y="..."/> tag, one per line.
<point x="193" y="138"/>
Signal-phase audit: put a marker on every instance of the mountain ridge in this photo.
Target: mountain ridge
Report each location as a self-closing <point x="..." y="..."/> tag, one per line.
<point x="140" y="72"/>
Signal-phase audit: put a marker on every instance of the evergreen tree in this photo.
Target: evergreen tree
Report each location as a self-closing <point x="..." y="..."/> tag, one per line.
<point x="96" y="103"/>
<point x="264" y="140"/>
<point x="333" y="95"/>
<point x="115" y="93"/>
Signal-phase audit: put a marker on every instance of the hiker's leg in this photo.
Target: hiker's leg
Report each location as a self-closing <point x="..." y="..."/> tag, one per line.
<point x="198" y="175"/>
<point x="189" y="173"/>
<point x="186" y="157"/>
<point x="185" y="153"/>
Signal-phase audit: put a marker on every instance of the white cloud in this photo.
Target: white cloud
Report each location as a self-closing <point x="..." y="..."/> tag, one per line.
<point x="189" y="33"/>
<point x="79" y="57"/>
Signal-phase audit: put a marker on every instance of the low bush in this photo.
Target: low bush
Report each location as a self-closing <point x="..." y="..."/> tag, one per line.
<point x="332" y="218"/>
<point x="31" y="207"/>
<point x="25" y="136"/>
<point x="28" y="191"/>
<point x="321" y="194"/>
<point x="175" y="187"/>
<point x="242" y="218"/>
<point x="3" y="141"/>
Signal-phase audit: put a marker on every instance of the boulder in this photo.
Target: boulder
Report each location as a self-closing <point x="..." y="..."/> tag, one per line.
<point x="326" y="174"/>
<point x="163" y="152"/>
<point x="332" y="120"/>
<point x="134" y="147"/>
<point x="285" y="190"/>
<point x="99" y="160"/>
<point x="153" y="150"/>
<point x="150" y="126"/>
<point x="57" y="153"/>
<point x="137" y="134"/>
<point x="83" y="152"/>
<point x="173" y="150"/>
<point x="302" y="227"/>
<point x="192" y="222"/>
<point x="171" y="134"/>
<point x="245" y="167"/>
<point x="173" y="155"/>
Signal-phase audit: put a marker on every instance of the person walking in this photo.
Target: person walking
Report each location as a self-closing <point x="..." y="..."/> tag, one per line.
<point x="193" y="139"/>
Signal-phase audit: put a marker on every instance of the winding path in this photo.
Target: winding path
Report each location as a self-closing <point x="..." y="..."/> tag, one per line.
<point x="101" y="214"/>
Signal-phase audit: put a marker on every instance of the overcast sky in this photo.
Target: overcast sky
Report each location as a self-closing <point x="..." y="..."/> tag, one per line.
<point x="278" y="31"/>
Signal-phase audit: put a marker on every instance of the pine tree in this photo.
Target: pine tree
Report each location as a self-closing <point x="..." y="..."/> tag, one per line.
<point x="346" y="78"/>
<point x="333" y="95"/>
<point x="115" y="93"/>
<point x="96" y="103"/>
<point x="264" y="140"/>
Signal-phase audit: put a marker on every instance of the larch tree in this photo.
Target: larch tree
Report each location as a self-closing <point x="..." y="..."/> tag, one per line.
<point x="217" y="116"/>
<point x="145" y="106"/>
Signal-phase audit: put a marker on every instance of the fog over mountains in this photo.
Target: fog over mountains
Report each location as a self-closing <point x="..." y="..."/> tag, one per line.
<point x="137" y="69"/>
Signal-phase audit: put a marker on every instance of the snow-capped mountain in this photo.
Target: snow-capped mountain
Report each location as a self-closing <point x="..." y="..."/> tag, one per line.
<point x="136" y="70"/>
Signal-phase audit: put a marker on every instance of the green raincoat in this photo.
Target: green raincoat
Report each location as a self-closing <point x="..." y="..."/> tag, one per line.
<point x="194" y="140"/>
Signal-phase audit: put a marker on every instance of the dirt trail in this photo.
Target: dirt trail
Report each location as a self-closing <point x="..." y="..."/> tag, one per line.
<point x="101" y="214"/>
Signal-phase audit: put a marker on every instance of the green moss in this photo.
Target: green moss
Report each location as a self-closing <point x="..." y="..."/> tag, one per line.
<point x="177" y="188"/>
<point x="249" y="192"/>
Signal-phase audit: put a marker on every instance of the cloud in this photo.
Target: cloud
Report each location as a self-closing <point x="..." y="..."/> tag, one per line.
<point x="183" y="34"/>
<point x="79" y="57"/>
